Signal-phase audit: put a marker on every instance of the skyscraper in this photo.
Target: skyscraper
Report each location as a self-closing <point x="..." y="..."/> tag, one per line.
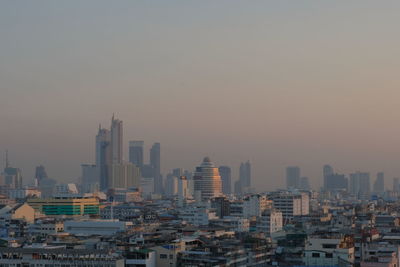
<point x="136" y="153"/>
<point x="207" y="180"/>
<point x="90" y="178"/>
<point x="124" y="175"/>
<point x="336" y="182"/>
<point x="103" y="157"/>
<point x="245" y="174"/>
<point x="116" y="140"/>
<point x="396" y="184"/>
<point x="171" y="185"/>
<point x="225" y="173"/>
<point x="293" y="177"/>
<point x="244" y="183"/>
<point x="12" y="176"/>
<point x="155" y="163"/>
<point x="327" y="171"/>
<point x="360" y="184"/>
<point x="40" y="174"/>
<point x="183" y="190"/>
<point x="379" y="184"/>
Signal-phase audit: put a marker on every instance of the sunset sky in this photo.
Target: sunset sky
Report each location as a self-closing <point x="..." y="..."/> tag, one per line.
<point x="280" y="83"/>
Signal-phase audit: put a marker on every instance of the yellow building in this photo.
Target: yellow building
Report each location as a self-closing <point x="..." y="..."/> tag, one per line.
<point x="71" y="206"/>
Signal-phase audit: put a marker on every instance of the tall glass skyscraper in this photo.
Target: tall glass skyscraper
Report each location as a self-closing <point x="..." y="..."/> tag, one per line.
<point x="103" y="156"/>
<point x="136" y="153"/>
<point x="155" y="163"/>
<point x="226" y="176"/>
<point x="116" y="140"/>
<point x="293" y="177"/>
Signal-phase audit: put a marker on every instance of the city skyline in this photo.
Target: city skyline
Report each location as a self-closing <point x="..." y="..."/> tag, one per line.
<point x="279" y="84"/>
<point x="105" y="135"/>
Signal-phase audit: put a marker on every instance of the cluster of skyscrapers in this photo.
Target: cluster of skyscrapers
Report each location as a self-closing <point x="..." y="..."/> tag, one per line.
<point x="357" y="184"/>
<point x="111" y="171"/>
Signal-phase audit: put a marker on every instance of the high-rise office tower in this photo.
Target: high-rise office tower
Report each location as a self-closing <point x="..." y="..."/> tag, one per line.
<point x="396" y="184"/>
<point x="40" y="174"/>
<point x="103" y="157"/>
<point x="124" y="175"/>
<point x="136" y="153"/>
<point x="243" y="184"/>
<point x="360" y="184"/>
<point x="327" y="171"/>
<point x="238" y="188"/>
<point x="207" y="181"/>
<point x="225" y="173"/>
<point x="12" y="176"/>
<point x="171" y="185"/>
<point x="379" y="184"/>
<point x="90" y="178"/>
<point x="116" y="141"/>
<point x="155" y="163"/>
<point x="293" y="177"/>
<point x="245" y="174"/>
<point x="183" y="190"/>
<point x="336" y="182"/>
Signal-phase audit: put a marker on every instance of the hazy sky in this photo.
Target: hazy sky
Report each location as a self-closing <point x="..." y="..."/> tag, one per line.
<point x="278" y="82"/>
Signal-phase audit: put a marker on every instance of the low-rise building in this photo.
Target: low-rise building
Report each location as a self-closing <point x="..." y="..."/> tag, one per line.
<point x="96" y="227"/>
<point x="329" y="250"/>
<point x="39" y="257"/>
<point x="271" y="221"/>
<point x="66" y="206"/>
<point x="197" y="215"/>
<point x="235" y="224"/>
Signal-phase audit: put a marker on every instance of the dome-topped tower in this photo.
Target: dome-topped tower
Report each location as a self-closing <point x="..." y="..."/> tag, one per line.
<point x="207" y="180"/>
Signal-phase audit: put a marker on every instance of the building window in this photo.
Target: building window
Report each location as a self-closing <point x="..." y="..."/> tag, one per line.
<point x="328" y="255"/>
<point x="163" y="256"/>
<point x="315" y="255"/>
<point x="329" y="245"/>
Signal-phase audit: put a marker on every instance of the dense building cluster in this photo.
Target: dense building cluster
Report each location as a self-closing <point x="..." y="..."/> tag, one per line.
<point x="126" y="214"/>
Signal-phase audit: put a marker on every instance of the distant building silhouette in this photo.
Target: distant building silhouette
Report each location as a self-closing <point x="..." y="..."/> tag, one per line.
<point x="109" y="152"/>
<point x="244" y="183"/>
<point x="379" y="184"/>
<point x="12" y="176"/>
<point x="293" y="177"/>
<point x="136" y="153"/>
<point x="40" y="173"/>
<point x="327" y="171"/>
<point x="124" y="175"/>
<point x="116" y="140"/>
<point x="155" y="163"/>
<point x="396" y="184"/>
<point x="225" y="173"/>
<point x="103" y="156"/>
<point x="245" y="174"/>
<point x="336" y="182"/>
<point x="90" y="178"/>
<point x="360" y="185"/>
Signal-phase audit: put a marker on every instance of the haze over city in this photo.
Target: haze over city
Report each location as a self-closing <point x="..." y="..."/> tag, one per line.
<point x="282" y="83"/>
